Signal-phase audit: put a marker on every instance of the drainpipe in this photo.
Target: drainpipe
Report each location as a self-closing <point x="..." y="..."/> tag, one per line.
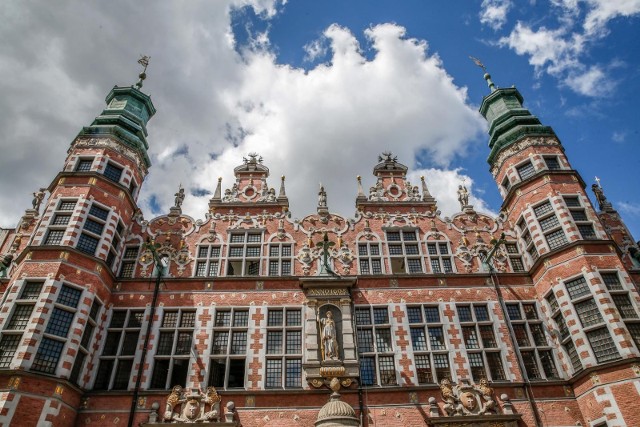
<point x="512" y="336"/>
<point x="159" y="264"/>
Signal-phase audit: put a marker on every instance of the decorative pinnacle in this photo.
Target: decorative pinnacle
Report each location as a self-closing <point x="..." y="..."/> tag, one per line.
<point x="487" y="76"/>
<point x="144" y="61"/>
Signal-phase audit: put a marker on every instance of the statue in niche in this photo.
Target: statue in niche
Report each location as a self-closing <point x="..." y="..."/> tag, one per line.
<point x="328" y="337"/>
<point x="463" y="196"/>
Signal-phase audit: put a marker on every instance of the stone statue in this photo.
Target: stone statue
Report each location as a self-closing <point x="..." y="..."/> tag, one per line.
<point x="600" y="197"/>
<point x="328" y="337"/>
<point x="271" y="195"/>
<point x="463" y="196"/>
<point x="322" y="197"/>
<point x="179" y="197"/>
<point x="38" y="196"/>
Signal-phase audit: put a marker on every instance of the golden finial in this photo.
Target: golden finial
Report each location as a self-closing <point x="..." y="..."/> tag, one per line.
<point x="144" y="61"/>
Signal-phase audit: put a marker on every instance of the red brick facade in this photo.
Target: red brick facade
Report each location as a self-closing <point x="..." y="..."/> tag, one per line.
<point x="553" y="322"/>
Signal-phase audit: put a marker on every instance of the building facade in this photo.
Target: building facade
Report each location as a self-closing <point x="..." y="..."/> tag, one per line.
<point x="403" y="316"/>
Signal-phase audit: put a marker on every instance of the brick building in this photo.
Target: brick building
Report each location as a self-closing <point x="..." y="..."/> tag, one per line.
<point x="411" y="316"/>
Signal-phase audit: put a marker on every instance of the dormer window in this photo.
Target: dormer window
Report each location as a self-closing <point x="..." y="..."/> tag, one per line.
<point x="244" y="253"/>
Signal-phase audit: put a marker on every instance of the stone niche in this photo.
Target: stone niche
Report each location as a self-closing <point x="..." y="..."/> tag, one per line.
<point x="324" y="364"/>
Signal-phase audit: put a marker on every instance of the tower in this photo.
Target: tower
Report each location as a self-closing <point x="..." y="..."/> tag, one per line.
<point x="66" y="261"/>
<point x="580" y="279"/>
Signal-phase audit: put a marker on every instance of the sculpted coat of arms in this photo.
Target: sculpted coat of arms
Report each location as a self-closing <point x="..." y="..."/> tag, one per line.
<point x="194" y="406"/>
<point x="466" y="399"/>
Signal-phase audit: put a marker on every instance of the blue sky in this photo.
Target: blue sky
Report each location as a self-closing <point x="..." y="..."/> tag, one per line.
<point x="319" y="89"/>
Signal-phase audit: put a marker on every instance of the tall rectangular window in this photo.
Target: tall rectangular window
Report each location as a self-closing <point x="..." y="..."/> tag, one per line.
<point x="120" y="347"/>
<point x="550" y="225"/>
<point x="87" y="336"/>
<point x="173" y="350"/>
<point x="280" y="259"/>
<point x="480" y="341"/>
<point x="227" y="368"/>
<point x="579" y="215"/>
<point x="375" y="346"/>
<point x="369" y="257"/>
<point x="129" y="259"/>
<point x="429" y="344"/>
<point x="57" y="330"/>
<point x="92" y="230"/>
<point x="284" y="348"/>
<point x="530" y="337"/>
<point x="515" y="259"/>
<point x="59" y="222"/>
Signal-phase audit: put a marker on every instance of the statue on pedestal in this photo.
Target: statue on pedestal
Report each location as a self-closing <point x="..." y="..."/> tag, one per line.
<point x="328" y="337"/>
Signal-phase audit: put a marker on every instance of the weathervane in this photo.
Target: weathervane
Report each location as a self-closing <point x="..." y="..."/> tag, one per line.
<point x="487" y="77"/>
<point x="144" y="61"/>
<point x="478" y="63"/>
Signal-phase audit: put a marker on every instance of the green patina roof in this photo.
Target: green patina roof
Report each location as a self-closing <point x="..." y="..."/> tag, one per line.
<point x="125" y="117"/>
<point x="508" y="120"/>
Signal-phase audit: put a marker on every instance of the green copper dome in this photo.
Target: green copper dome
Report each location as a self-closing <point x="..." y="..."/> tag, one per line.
<point x="508" y="120"/>
<point x="125" y="117"/>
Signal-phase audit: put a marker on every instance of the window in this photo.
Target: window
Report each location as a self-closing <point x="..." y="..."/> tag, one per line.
<point x="579" y="215"/>
<point x="87" y="335"/>
<point x="115" y="245"/>
<point x="526" y="170"/>
<point x="129" y="259"/>
<point x="623" y="302"/>
<point x="120" y="347"/>
<point x="590" y="318"/>
<point x="208" y="261"/>
<point x="429" y="344"/>
<point x="506" y="184"/>
<point x="18" y="321"/>
<point x="536" y="351"/>
<point x="229" y="349"/>
<point x="404" y="251"/>
<point x="113" y="172"/>
<point x="440" y="257"/>
<point x="527" y="240"/>
<point x="60" y="221"/>
<point x="57" y="330"/>
<point x="280" y="259"/>
<point x="377" y="365"/>
<point x="552" y="163"/>
<point x="602" y="345"/>
<point x="369" y="257"/>
<point x="284" y="348"/>
<point x="84" y="165"/>
<point x="92" y="230"/>
<point x="550" y="225"/>
<point x="515" y="259"/>
<point x="479" y="339"/>
<point x="244" y="254"/>
<point x="173" y="349"/>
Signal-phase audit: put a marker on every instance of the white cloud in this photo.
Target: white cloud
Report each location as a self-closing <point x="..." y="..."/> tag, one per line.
<point x="560" y="51"/>
<point x="214" y="105"/>
<point x="315" y="49"/>
<point x="619" y="136"/>
<point x="494" y="13"/>
<point x="630" y="209"/>
<point x="592" y="82"/>
<point x="602" y="11"/>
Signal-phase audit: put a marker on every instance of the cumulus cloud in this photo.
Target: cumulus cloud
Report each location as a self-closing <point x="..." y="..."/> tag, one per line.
<point x="494" y="13"/>
<point x="216" y="104"/>
<point x="560" y="51"/>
